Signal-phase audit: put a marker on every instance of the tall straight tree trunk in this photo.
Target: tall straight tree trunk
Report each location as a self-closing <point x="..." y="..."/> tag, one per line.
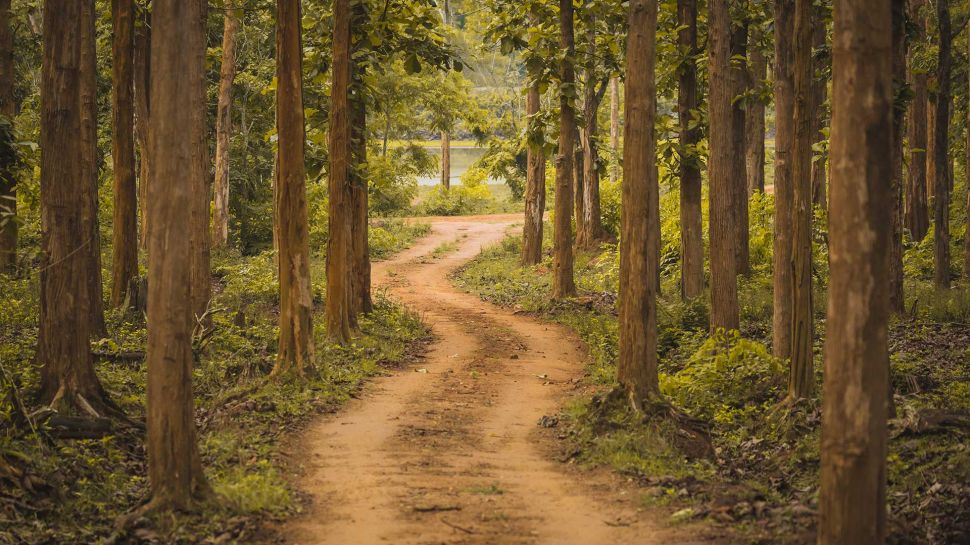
<point x="563" y="283"/>
<point x="941" y="144"/>
<point x="339" y="268"/>
<point x="296" y="299"/>
<point x="201" y="223"/>
<point x="615" y="126"/>
<point x="721" y="165"/>
<point x="639" y="224"/>
<point x="220" y="220"/>
<point x="124" y="245"/>
<point x="361" y="296"/>
<point x="931" y="145"/>
<point x="916" y="212"/>
<point x="535" y="184"/>
<point x="688" y="100"/>
<point x="755" y="115"/>
<point x="784" y="140"/>
<point x="67" y="377"/>
<point x="174" y="466"/>
<point x="739" y="170"/>
<point x="579" y="195"/>
<point x="895" y="254"/>
<point x="801" y="379"/>
<point x="819" y="91"/>
<point x="590" y="231"/>
<point x="142" y="74"/>
<point x="446" y="159"/>
<point x="852" y="499"/>
<point x="8" y="154"/>
<point x="89" y="167"/>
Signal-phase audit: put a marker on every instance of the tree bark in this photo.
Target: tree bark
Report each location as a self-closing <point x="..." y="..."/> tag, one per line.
<point x="688" y="100"/>
<point x="201" y="241"/>
<point x="535" y="185"/>
<point x="801" y="379"/>
<point x="590" y="230"/>
<point x="897" y="303"/>
<point x="124" y="245"/>
<point x="739" y="169"/>
<point x="67" y="377"/>
<point x="563" y="283"/>
<point x="8" y="153"/>
<point x="755" y="118"/>
<point x="784" y="140"/>
<point x="639" y="224"/>
<point x="220" y="223"/>
<point x="361" y="251"/>
<point x="339" y="268"/>
<point x="615" y="127"/>
<point x="579" y="194"/>
<point x="142" y="74"/>
<point x="941" y="144"/>
<point x="296" y="299"/>
<point x="89" y="167"/>
<point x="931" y="145"/>
<point x="177" y="57"/>
<point x="446" y="160"/>
<point x="916" y="212"/>
<point x="819" y="91"/>
<point x="852" y="499"/>
<point x="721" y="168"/>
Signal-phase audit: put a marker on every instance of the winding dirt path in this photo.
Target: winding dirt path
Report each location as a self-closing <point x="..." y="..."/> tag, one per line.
<point x="449" y="451"/>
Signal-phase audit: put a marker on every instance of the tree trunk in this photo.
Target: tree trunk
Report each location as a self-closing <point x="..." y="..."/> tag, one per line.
<point x="124" y="245"/>
<point x="916" y="213"/>
<point x="142" y="74"/>
<point x="361" y="296"/>
<point x="201" y="223"/>
<point x="801" y="380"/>
<point x="296" y="298"/>
<point x="819" y="84"/>
<point x="339" y="268"/>
<point x="590" y="231"/>
<point x="535" y="185"/>
<point x="446" y="160"/>
<point x="89" y="167"/>
<point x="8" y="153"/>
<point x="739" y="169"/>
<point x="563" y="283"/>
<point x="852" y="499"/>
<point x="931" y="145"/>
<point x="220" y="223"/>
<point x="639" y="259"/>
<point x="67" y="377"/>
<point x="721" y="165"/>
<point x="688" y="100"/>
<point x="895" y="254"/>
<point x="784" y="140"/>
<point x="579" y="195"/>
<point x="941" y="144"/>
<point x="615" y="127"/>
<point x="174" y="465"/>
<point x="755" y="118"/>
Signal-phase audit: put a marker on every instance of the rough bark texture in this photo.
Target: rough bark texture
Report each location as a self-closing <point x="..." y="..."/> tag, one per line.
<point x="739" y="169"/>
<point x="639" y="226"/>
<point x="339" y="268"/>
<point x="895" y="254"/>
<point x="916" y="213"/>
<point x="784" y="138"/>
<point x="563" y="283"/>
<point x="723" y="222"/>
<point x="361" y="297"/>
<point x="124" y="244"/>
<point x="852" y="499"/>
<point x="615" y="127"/>
<point x="90" y="171"/>
<point x="819" y="91"/>
<point x="220" y="211"/>
<point x="8" y="154"/>
<point x="201" y="240"/>
<point x="931" y="145"/>
<point x="67" y="376"/>
<point x="174" y="466"/>
<point x="941" y="144"/>
<point x="801" y="379"/>
<point x="755" y="115"/>
<point x="688" y="100"/>
<point x="446" y="159"/>
<point x="296" y="299"/>
<point x="535" y="187"/>
<point x="590" y="231"/>
<point x="142" y="72"/>
<point x="579" y="195"/>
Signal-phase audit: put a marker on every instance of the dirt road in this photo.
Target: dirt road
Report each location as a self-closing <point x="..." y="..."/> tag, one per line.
<point x="449" y="451"/>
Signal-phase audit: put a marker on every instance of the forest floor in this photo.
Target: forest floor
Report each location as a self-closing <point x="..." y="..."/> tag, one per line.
<point x="461" y="447"/>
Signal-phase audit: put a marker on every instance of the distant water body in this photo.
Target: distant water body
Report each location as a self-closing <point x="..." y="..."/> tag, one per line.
<point x="462" y="158"/>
